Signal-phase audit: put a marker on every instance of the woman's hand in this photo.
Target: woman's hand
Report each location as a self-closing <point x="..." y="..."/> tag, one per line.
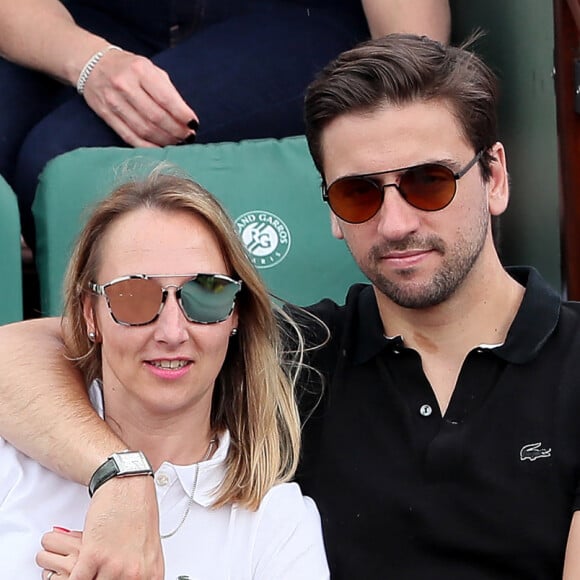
<point x="120" y="540"/>
<point x="59" y="554"/>
<point x="138" y="101"/>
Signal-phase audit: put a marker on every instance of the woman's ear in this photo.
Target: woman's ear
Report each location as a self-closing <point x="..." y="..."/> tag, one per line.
<point x="235" y="322"/>
<point x="90" y="319"/>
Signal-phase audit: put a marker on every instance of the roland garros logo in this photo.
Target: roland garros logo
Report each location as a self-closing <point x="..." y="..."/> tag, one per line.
<point x="266" y="237"/>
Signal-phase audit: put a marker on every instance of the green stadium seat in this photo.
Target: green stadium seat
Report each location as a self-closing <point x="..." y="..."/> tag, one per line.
<point x="10" y="257"/>
<point x="270" y="188"/>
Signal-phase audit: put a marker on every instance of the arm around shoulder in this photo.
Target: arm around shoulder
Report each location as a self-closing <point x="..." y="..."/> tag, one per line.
<point x="46" y="411"/>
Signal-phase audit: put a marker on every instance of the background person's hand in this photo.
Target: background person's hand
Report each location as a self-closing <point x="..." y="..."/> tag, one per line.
<point x="138" y="101"/>
<point x="121" y="535"/>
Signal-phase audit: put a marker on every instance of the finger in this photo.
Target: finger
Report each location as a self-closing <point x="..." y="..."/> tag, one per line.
<point x="60" y="565"/>
<point x="144" y="98"/>
<point x="165" y="113"/>
<point x="116" y="94"/>
<point x="125" y="131"/>
<point x="148" y="122"/>
<point x="162" y="90"/>
<point x="60" y="542"/>
<point x="53" y="575"/>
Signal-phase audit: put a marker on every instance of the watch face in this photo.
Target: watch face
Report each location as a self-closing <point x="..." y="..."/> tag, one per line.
<point x="131" y="462"/>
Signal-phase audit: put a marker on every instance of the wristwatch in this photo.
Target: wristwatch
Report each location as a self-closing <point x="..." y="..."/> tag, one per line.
<point x="121" y="464"/>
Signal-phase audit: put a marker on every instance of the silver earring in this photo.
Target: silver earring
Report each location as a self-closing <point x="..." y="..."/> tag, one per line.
<point x="92" y="336"/>
<point x="234" y="332"/>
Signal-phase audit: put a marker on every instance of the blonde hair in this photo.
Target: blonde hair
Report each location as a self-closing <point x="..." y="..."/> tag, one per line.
<point x="254" y="391"/>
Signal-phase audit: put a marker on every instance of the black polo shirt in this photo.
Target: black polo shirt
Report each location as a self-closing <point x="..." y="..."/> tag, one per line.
<point x="486" y="491"/>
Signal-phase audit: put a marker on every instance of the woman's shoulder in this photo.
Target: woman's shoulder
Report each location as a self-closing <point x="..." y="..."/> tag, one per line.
<point x="288" y="541"/>
<point x="285" y="505"/>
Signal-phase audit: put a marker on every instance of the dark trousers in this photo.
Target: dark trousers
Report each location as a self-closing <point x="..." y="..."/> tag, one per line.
<point x="241" y="65"/>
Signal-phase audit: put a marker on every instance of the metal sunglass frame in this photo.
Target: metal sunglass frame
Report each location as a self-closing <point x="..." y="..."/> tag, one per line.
<point x="381" y="187"/>
<point x="99" y="290"/>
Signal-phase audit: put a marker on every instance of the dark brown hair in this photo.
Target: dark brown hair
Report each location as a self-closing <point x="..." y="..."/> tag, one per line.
<point x="399" y="69"/>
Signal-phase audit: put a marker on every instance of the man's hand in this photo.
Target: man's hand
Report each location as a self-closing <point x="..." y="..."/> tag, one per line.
<point x="121" y="536"/>
<point x="138" y="101"/>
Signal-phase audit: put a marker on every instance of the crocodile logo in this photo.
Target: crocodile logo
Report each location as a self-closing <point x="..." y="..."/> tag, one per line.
<point x="533" y="451"/>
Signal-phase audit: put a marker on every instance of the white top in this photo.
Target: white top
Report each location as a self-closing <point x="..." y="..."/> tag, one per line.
<point x="282" y="540"/>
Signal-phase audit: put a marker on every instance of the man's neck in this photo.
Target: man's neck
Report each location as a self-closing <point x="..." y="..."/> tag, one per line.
<point x="480" y="312"/>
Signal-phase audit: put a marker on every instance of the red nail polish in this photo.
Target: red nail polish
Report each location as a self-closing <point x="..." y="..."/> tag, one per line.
<point x="59" y="529"/>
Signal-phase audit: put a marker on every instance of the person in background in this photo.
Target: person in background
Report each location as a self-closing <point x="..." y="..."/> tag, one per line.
<point x="154" y="73"/>
<point x="175" y="336"/>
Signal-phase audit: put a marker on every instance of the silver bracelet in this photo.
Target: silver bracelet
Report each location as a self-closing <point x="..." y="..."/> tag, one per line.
<point x="91" y="63"/>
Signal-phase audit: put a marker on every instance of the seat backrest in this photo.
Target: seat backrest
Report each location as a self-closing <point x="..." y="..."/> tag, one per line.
<point x="10" y="257"/>
<point x="270" y="188"/>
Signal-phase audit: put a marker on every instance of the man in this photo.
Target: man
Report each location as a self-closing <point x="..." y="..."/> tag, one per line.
<point x="445" y="443"/>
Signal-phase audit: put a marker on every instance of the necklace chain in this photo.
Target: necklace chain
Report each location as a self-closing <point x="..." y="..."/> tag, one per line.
<point x="210" y="447"/>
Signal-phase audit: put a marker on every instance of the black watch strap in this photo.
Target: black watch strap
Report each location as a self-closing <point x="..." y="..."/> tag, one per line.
<point x="122" y="464"/>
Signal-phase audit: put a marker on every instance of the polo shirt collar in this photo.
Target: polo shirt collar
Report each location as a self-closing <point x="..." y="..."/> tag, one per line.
<point x="535" y="321"/>
<point x="369" y="338"/>
<point x="211" y="474"/>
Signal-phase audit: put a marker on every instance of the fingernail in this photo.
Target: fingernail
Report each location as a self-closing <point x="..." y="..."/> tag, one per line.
<point x="193" y="125"/>
<point x="189" y="140"/>
<point x="59" y="529"/>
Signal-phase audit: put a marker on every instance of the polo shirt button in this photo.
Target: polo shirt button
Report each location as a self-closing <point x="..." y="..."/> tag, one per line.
<point x="162" y="479"/>
<point x="425" y="410"/>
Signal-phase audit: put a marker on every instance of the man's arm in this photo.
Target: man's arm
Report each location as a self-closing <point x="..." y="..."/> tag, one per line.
<point x="46" y="411"/>
<point x="47" y="414"/>
<point x="572" y="560"/>
<point x="429" y="17"/>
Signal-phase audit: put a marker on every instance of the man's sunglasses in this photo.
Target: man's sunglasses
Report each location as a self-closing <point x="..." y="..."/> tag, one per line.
<point x="138" y="299"/>
<point x="430" y="187"/>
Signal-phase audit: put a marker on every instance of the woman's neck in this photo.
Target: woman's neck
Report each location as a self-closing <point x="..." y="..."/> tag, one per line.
<point x="181" y="439"/>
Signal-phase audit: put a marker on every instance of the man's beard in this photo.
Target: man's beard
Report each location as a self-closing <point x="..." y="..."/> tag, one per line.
<point x="457" y="262"/>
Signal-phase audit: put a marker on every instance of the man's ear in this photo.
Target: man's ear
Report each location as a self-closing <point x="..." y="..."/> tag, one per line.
<point x="335" y="226"/>
<point x="498" y="189"/>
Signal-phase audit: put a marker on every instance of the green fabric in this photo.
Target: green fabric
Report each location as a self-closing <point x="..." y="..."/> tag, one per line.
<point x="10" y="257"/>
<point x="270" y="187"/>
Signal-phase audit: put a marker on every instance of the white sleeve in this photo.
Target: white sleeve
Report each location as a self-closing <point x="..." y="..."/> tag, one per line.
<point x="11" y="471"/>
<point x="288" y="543"/>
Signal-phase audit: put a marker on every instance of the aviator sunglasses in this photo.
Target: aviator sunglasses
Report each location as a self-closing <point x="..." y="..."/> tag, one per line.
<point x="430" y="187"/>
<point x="138" y="299"/>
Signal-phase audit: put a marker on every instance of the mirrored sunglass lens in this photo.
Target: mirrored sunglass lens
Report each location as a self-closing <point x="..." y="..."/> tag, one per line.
<point x="208" y="298"/>
<point x="355" y="199"/>
<point x="134" y="301"/>
<point x="428" y="187"/>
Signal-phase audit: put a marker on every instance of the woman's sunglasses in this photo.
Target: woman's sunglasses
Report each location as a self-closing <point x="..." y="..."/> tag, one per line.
<point x="138" y="299"/>
<point x="430" y="187"/>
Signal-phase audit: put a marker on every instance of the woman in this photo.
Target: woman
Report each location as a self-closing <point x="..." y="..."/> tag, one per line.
<point x="174" y="332"/>
<point x="218" y="70"/>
